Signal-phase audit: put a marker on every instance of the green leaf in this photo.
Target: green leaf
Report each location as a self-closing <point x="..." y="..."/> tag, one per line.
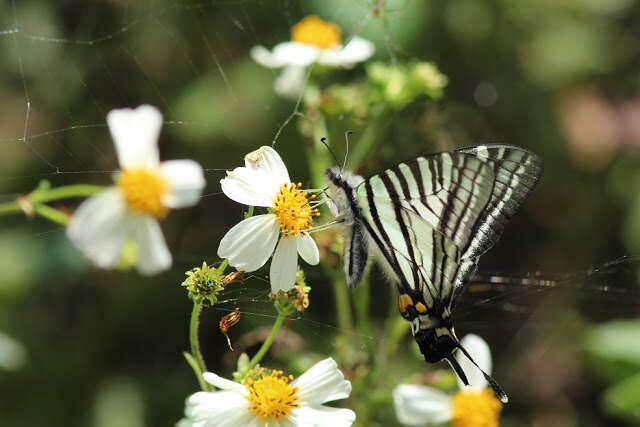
<point x="623" y="400"/>
<point x="613" y="349"/>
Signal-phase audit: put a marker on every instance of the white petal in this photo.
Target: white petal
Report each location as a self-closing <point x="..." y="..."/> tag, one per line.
<point x="322" y="416"/>
<point x="479" y="350"/>
<point x="250" y="187"/>
<point x="321" y="383"/>
<point x="135" y="135"/>
<point x="184" y="422"/>
<point x="357" y="50"/>
<point x="290" y="82"/>
<point x="223" y="408"/>
<point x="249" y="244"/>
<point x="417" y="405"/>
<point x="258" y="182"/>
<point x="308" y="249"/>
<point x="223" y="383"/>
<point x="267" y="160"/>
<point x="186" y="180"/>
<point x="100" y="227"/>
<point x="284" y="265"/>
<point x="153" y="254"/>
<point x="298" y="54"/>
<point x="264" y="57"/>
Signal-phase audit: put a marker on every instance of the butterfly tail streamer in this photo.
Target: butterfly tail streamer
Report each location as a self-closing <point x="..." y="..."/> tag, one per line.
<point x="457" y="368"/>
<point x="497" y="390"/>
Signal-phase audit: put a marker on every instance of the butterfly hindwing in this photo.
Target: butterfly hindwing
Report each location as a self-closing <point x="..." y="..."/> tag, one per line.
<point x="516" y="171"/>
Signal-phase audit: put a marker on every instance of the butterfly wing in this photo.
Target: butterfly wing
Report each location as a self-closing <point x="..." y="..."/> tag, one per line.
<point x="432" y="217"/>
<point x="420" y="214"/>
<point x="516" y="172"/>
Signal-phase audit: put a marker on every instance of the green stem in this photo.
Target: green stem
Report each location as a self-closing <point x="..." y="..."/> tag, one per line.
<point x="223" y="266"/>
<point x="65" y="192"/>
<point x="362" y="301"/>
<point x="43" y="195"/>
<point x="342" y="299"/>
<point x="53" y="215"/>
<point x="267" y="344"/>
<point x="196" y="369"/>
<point x="195" y="343"/>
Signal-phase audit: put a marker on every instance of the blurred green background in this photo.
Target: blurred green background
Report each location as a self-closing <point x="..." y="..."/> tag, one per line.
<point x="93" y="348"/>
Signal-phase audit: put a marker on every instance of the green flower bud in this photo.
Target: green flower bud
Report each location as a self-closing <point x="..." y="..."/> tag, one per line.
<point x="203" y="283"/>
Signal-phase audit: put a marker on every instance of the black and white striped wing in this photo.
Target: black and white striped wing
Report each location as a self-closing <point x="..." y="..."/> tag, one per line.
<point x="420" y="214"/>
<point x="516" y="172"/>
<point x="433" y="216"/>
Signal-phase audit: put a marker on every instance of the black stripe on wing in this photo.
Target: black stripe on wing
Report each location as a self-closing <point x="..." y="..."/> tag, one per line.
<point x="516" y="172"/>
<point x="422" y="258"/>
<point x="447" y="190"/>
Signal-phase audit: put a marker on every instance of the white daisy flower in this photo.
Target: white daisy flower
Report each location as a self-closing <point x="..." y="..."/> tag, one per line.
<point x="264" y="181"/>
<point x="145" y="191"/>
<point x="273" y="400"/>
<point x="473" y="406"/>
<point x="312" y="40"/>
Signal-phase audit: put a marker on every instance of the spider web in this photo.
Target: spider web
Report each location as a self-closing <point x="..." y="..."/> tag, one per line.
<point x="106" y="65"/>
<point x="65" y="65"/>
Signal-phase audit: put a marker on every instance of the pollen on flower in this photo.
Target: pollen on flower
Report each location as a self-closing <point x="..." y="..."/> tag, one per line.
<point x="475" y="409"/>
<point x="143" y="190"/>
<point x="292" y="209"/>
<point x="271" y="396"/>
<point x="316" y="32"/>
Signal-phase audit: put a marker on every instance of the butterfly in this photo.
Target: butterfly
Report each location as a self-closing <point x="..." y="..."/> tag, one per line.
<point x="428" y="221"/>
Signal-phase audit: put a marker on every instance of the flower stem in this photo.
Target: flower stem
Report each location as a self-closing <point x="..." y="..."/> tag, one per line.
<point x="53" y="215"/>
<point x="265" y="346"/>
<point x="65" y="192"/>
<point x="196" y="369"/>
<point x="342" y="298"/>
<point x="223" y="266"/>
<point x="195" y="344"/>
<point x="319" y="160"/>
<point x="41" y="195"/>
<point x="362" y="301"/>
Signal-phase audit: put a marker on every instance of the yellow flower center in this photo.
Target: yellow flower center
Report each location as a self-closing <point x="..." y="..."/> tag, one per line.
<point x="292" y="209"/>
<point x="271" y="396"/>
<point x="316" y="32"/>
<point x="143" y="190"/>
<point x="475" y="409"/>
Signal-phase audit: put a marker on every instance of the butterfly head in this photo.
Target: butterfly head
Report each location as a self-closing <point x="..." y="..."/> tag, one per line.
<point x="340" y="191"/>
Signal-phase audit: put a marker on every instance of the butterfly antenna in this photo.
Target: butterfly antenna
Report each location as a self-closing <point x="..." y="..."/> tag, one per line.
<point x="497" y="390"/>
<point x="324" y="142"/>
<point x="346" y="154"/>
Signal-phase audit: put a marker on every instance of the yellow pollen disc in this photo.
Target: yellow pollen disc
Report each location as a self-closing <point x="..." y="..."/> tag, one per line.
<point x="143" y="190"/>
<point x="475" y="409"/>
<point x="316" y="32"/>
<point x="271" y="397"/>
<point x="292" y="209"/>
